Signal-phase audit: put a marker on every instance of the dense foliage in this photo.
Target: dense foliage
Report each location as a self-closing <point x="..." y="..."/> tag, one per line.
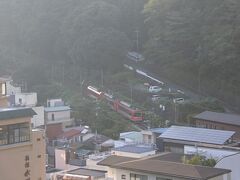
<point x="196" y="43"/>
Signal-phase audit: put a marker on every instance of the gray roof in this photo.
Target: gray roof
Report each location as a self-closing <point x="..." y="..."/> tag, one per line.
<point x="158" y="130"/>
<point x="225" y="118"/>
<point x="163" y="168"/>
<point x="136" y="148"/>
<point x="11" y="113"/>
<point x="87" y="172"/>
<point x="201" y="135"/>
<point x="57" y="108"/>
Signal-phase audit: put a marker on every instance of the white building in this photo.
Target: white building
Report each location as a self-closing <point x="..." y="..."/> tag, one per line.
<point x="26" y="99"/>
<point x="59" y="114"/>
<point x="38" y="120"/>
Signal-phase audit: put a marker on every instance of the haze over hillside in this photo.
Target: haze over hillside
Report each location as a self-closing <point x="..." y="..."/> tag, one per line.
<point x="192" y="42"/>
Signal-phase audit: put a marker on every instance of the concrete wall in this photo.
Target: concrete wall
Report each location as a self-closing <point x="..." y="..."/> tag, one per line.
<point x="231" y="162"/>
<point x="28" y="99"/>
<point x="134" y="155"/>
<point x="38" y="120"/>
<point x="12" y="89"/>
<point x="58" y="116"/>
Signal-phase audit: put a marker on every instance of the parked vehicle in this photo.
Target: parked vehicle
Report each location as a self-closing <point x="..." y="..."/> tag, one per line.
<point x="178" y="100"/>
<point x="154" y="89"/>
<point x="155" y="98"/>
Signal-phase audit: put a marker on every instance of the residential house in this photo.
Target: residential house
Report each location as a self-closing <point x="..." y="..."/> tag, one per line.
<point x="221" y="121"/>
<point x="57" y="112"/>
<point x="157" y="168"/>
<point x="134" y="150"/>
<point x="175" y="137"/>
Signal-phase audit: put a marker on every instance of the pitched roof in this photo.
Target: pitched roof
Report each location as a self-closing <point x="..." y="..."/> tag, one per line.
<point x="111" y="160"/>
<point x="135" y="148"/>
<point x="201" y="135"/>
<point x="164" y="168"/>
<point x="69" y="134"/>
<point x="11" y="113"/>
<point x="87" y="172"/>
<point x="225" y="118"/>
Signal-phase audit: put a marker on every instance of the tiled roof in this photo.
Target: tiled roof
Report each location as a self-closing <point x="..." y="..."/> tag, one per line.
<point x="225" y="118"/>
<point x="11" y="113"/>
<point x="201" y="135"/>
<point x="135" y="148"/>
<point x="87" y="172"/>
<point x="69" y="134"/>
<point x="164" y="168"/>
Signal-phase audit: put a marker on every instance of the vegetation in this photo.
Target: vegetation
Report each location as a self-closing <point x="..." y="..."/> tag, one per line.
<point x="56" y="46"/>
<point x="196" y="43"/>
<point x="200" y="160"/>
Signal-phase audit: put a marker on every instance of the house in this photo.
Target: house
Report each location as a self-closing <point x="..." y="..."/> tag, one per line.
<point x="159" y="168"/>
<point x="150" y="135"/>
<point x="132" y="136"/>
<point x="80" y="174"/>
<point x="58" y="114"/>
<point x="22" y="149"/>
<point x="221" y="121"/>
<point x="134" y="150"/>
<point x="175" y="137"/>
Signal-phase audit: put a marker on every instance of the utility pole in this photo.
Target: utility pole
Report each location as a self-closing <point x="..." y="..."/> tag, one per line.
<point x="102" y="77"/>
<point x="131" y="95"/>
<point x="137" y="40"/>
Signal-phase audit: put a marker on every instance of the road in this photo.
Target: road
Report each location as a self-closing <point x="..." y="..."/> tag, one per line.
<point x="157" y="80"/>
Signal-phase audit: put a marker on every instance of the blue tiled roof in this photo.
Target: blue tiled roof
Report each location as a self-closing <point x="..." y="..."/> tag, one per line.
<point x="139" y="148"/>
<point x="58" y="108"/>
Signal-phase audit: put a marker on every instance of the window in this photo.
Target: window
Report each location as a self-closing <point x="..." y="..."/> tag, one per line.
<point x="16" y="133"/>
<point x="53" y="118"/>
<point x="3" y="89"/>
<point x="138" y="177"/>
<point x="160" y="178"/>
<point x="123" y="176"/>
<point x="20" y="100"/>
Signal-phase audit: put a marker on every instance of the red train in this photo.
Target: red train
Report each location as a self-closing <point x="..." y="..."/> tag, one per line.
<point x="121" y="107"/>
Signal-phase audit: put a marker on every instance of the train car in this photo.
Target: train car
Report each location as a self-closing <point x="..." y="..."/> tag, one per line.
<point x="94" y="93"/>
<point x="129" y="112"/>
<point x="124" y="108"/>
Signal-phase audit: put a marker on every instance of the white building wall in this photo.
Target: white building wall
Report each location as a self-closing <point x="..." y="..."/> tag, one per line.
<point x="28" y="99"/>
<point x="58" y="116"/>
<point x="38" y="120"/>
<point x="133" y="155"/>
<point x="51" y="102"/>
<point x="208" y="152"/>
<point x="231" y="162"/>
<point x="12" y="89"/>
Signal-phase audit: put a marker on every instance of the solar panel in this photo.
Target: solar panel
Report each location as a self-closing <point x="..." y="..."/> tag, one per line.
<point x="201" y="135"/>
